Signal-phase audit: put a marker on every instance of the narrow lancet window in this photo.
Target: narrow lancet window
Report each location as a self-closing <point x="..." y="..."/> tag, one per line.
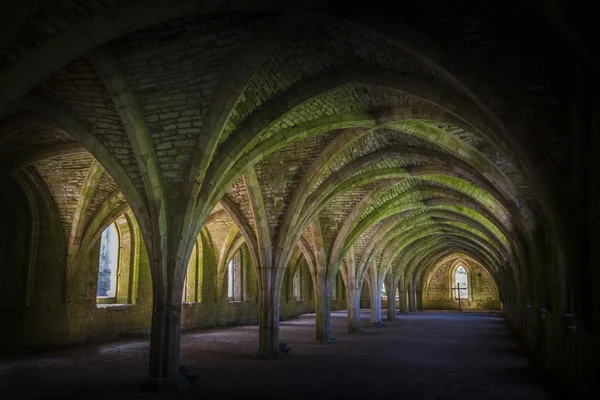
<point x="109" y="260"/>
<point x="230" y="280"/>
<point x="462" y="283"/>
<point x="297" y="282"/>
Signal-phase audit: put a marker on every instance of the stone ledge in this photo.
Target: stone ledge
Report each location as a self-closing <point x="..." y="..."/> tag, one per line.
<point x="114" y="306"/>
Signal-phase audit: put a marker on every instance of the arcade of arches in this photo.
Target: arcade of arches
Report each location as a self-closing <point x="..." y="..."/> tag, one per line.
<point x="171" y="165"/>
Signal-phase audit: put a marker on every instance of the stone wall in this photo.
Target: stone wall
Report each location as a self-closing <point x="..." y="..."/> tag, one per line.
<point x="438" y="294"/>
<point x="50" y="320"/>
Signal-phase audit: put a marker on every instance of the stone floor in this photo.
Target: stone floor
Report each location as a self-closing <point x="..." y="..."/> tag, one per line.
<point x="430" y="355"/>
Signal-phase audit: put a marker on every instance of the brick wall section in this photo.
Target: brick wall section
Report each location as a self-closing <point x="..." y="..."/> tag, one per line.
<point x="316" y="47"/>
<point x="309" y="236"/>
<point x="484" y="146"/>
<point x="78" y="89"/>
<point x="239" y="195"/>
<point x="105" y="188"/>
<point x="174" y="69"/>
<point x="64" y="176"/>
<point x="343" y="99"/>
<point x="363" y="241"/>
<point x="337" y="211"/>
<point x="280" y="173"/>
<point x="390" y="196"/>
<point x="219" y="229"/>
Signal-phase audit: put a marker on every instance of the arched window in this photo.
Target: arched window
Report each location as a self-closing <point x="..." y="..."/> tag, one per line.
<point x="383" y="291"/>
<point x="297" y="285"/>
<point x="109" y="261"/>
<point x="236" y="278"/>
<point x="118" y="262"/>
<point x="462" y="283"/>
<point x="230" y="274"/>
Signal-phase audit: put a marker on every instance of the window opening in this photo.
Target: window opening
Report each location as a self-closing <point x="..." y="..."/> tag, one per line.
<point x="297" y="283"/>
<point x="109" y="260"/>
<point x="230" y="280"/>
<point x="462" y="283"/>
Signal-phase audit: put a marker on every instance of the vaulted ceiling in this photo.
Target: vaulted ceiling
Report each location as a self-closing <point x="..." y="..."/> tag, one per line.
<point x="400" y="142"/>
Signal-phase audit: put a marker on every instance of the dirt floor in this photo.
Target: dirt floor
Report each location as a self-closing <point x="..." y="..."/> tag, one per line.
<point x="428" y="356"/>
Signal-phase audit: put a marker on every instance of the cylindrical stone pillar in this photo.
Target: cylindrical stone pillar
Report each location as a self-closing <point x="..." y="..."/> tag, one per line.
<point x="268" y="321"/>
<point x="411" y="299"/>
<point x="391" y="307"/>
<point x="323" y="319"/>
<point x="403" y="303"/>
<point x="376" y="306"/>
<point x="163" y="373"/>
<point x="353" y="311"/>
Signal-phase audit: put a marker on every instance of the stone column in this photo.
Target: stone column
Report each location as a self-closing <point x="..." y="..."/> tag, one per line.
<point x="376" y="304"/>
<point x="391" y="298"/>
<point x="391" y="308"/>
<point x="403" y="304"/>
<point x="323" y="308"/>
<point x="353" y="295"/>
<point x="164" y="336"/>
<point x="323" y="318"/>
<point x="268" y="321"/>
<point x="411" y="299"/>
<point x="419" y="301"/>
<point x="268" y="318"/>
<point x="164" y="348"/>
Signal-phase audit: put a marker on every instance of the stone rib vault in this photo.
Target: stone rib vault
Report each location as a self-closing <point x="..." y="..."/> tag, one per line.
<point x="357" y="146"/>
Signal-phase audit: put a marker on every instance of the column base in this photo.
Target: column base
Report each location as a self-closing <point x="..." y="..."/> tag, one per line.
<point x="377" y="324"/>
<point x="354" y="330"/>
